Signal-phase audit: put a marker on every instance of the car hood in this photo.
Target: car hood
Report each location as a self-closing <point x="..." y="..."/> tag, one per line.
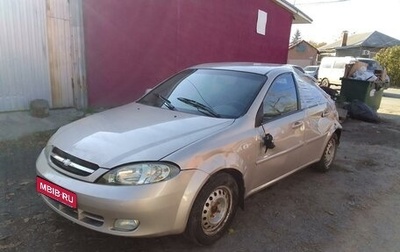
<point x="132" y="133"/>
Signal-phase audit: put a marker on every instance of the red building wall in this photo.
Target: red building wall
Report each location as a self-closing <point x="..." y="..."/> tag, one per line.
<point x="131" y="45"/>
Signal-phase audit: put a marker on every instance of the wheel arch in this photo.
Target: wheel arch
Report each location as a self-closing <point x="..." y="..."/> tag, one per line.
<point x="338" y="132"/>
<point x="238" y="176"/>
<point x="321" y="164"/>
<point x="196" y="222"/>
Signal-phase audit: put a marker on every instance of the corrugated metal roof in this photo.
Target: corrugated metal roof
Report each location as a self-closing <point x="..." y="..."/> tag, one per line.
<point x="299" y="42"/>
<point x="368" y="39"/>
<point x="377" y="39"/>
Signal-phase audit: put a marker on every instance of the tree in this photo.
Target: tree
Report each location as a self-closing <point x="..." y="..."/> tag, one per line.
<point x="390" y="59"/>
<point x="296" y="37"/>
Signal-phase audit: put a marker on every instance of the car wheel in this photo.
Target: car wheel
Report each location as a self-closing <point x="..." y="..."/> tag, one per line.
<point x="213" y="209"/>
<point x="325" y="163"/>
<point x="325" y="83"/>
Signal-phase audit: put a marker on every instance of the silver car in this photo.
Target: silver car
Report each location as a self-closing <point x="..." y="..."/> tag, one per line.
<point x="186" y="155"/>
<point x="312" y="71"/>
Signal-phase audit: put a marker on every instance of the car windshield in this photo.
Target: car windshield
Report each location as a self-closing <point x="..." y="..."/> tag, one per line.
<point x="211" y="92"/>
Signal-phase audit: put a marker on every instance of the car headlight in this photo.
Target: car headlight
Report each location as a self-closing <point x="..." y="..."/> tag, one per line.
<point x="140" y="173"/>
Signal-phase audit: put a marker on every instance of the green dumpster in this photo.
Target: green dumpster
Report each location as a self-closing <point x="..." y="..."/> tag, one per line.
<point x="369" y="92"/>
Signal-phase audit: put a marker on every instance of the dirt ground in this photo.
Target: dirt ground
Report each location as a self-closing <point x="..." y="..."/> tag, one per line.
<point x="354" y="207"/>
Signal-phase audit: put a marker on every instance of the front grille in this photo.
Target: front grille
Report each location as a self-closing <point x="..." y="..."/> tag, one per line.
<point x="86" y="217"/>
<point x="71" y="163"/>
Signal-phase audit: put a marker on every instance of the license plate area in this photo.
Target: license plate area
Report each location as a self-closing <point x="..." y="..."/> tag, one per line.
<point x="56" y="192"/>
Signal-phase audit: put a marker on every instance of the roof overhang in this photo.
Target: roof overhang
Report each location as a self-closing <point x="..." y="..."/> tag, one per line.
<point x="298" y="16"/>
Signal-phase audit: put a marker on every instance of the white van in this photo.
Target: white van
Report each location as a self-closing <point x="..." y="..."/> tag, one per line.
<point x="332" y="69"/>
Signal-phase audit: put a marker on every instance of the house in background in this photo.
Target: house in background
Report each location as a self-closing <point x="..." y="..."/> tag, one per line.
<point x="302" y="53"/>
<point x="79" y="53"/>
<point x="365" y="45"/>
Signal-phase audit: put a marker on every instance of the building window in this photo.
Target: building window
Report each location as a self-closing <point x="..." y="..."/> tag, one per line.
<point x="301" y="48"/>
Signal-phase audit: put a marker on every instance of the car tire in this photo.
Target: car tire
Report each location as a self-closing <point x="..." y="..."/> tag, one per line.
<point x="213" y="209"/>
<point x="325" y="83"/>
<point x="325" y="163"/>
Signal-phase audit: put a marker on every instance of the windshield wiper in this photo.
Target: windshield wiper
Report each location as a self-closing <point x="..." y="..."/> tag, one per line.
<point x="200" y="106"/>
<point x="166" y="101"/>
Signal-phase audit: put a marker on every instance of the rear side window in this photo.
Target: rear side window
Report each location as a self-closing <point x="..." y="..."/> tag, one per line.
<point x="310" y="94"/>
<point x="281" y="97"/>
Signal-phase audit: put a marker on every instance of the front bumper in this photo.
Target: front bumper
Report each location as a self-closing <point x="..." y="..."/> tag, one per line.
<point x="161" y="208"/>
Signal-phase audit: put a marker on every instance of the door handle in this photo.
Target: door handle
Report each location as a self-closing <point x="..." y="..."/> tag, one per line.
<point x="297" y="124"/>
<point x="325" y="113"/>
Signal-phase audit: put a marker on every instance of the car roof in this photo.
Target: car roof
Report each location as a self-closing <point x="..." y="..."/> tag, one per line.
<point x="251" y="67"/>
<point x="366" y="59"/>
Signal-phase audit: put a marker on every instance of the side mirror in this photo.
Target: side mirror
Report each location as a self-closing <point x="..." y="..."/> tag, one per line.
<point x="268" y="142"/>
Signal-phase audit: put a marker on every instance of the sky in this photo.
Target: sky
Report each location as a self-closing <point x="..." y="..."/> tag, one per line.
<point x="355" y="16"/>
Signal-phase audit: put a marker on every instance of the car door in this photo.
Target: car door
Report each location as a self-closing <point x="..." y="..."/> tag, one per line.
<point x="283" y="124"/>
